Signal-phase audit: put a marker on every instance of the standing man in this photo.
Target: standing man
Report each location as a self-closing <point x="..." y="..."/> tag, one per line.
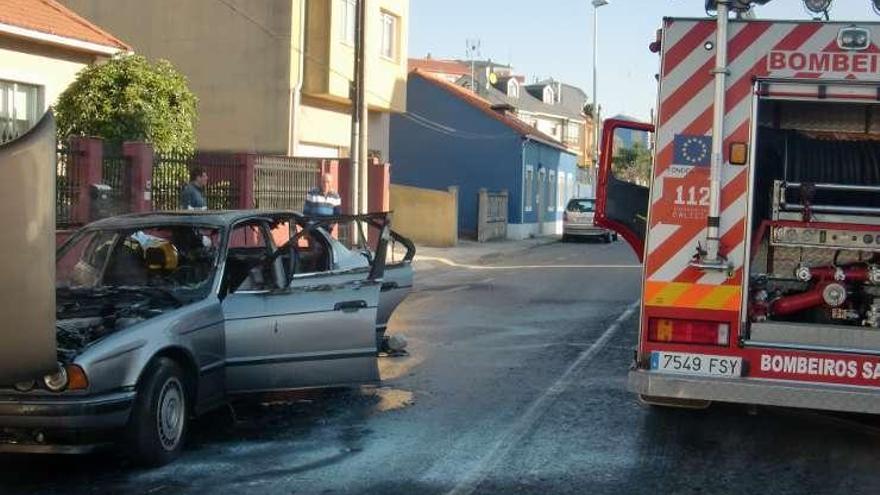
<point x="323" y="201"/>
<point x="192" y="197"/>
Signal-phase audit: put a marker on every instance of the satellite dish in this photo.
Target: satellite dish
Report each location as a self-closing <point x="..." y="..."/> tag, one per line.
<point x="493" y="78"/>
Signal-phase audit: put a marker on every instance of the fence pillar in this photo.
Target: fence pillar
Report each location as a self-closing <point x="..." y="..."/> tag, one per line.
<point x="246" y="168"/>
<point x="139" y="156"/>
<point x="482" y="215"/>
<point x="379" y="198"/>
<point x="453" y="191"/>
<point x="344" y="190"/>
<point x="86" y="157"/>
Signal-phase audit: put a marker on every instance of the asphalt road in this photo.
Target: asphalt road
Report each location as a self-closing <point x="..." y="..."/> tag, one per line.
<point x="515" y="383"/>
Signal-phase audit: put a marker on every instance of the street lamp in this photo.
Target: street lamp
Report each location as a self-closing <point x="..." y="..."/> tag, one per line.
<point x="596" y="5"/>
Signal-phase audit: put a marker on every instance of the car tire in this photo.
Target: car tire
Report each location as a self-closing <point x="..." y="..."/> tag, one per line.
<point x="566" y="238"/>
<point x="158" y="424"/>
<point x="614" y="237"/>
<point x="606" y="238"/>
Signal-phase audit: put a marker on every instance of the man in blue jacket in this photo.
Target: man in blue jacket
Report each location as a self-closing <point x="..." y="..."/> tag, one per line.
<point x="323" y="201"/>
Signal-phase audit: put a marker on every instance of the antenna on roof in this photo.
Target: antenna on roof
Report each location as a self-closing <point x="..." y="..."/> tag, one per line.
<point x="473" y="51"/>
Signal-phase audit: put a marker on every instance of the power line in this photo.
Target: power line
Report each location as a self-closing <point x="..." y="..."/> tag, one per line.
<point x="452" y="132"/>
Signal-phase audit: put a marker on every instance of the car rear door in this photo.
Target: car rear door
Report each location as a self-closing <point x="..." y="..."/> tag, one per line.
<point x="397" y="281"/>
<point x="326" y="317"/>
<point x="580" y="211"/>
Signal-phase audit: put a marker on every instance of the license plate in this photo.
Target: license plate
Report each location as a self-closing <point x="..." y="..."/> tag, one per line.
<point x="696" y="364"/>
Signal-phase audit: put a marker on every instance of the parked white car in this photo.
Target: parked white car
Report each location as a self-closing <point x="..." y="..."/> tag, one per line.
<point x="577" y="221"/>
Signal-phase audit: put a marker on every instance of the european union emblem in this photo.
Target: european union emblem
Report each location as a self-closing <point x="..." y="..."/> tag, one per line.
<point x="693" y="150"/>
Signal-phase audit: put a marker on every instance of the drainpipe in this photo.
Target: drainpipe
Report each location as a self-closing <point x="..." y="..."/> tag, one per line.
<point x="296" y="91"/>
<point x="712" y="260"/>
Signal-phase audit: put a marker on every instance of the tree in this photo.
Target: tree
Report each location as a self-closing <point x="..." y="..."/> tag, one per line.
<point x="130" y="99"/>
<point x="632" y="164"/>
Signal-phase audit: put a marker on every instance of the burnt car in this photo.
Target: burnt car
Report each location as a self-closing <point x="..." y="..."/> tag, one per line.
<point x="161" y="317"/>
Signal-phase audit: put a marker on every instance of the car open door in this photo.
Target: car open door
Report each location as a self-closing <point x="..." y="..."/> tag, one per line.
<point x="624" y="180"/>
<point x="397" y="282"/>
<point x="27" y="248"/>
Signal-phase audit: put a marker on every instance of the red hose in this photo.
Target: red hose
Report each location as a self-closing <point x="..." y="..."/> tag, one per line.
<point x="799" y="302"/>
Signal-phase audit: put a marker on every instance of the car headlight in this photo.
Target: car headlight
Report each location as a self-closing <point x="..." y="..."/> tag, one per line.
<point x="56" y="382"/>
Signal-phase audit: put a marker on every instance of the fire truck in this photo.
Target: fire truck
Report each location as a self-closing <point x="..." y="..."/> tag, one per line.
<point x="759" y="223"/>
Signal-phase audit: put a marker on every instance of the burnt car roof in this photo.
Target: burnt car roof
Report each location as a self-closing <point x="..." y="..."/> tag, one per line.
<point x="217" y="218"/>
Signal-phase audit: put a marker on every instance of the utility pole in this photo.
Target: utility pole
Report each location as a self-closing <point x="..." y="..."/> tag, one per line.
<point x="356" y="91"/>
<point x="363" y="108"/>
<point x="473" y="50"/>
<point x="596" y="119"/>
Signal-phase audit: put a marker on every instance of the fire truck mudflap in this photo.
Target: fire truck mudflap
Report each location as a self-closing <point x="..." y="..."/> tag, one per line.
<point x="789" y="312"/>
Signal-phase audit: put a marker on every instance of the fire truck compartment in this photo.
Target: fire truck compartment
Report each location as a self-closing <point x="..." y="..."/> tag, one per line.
<point x="814" y="271"/>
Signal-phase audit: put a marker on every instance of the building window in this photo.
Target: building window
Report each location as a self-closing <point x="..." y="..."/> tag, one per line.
<point x="549" y="96"/>
<point x="572" y="134"/>
<point x="551" y="191"/>
<point x="560" y="189"/>
<point x="348" y="20"/>
<point x="513" y="89"/>
<point x="21" y="106"/>
<point x="529" y="187"/>
<point x="389" y="35"/>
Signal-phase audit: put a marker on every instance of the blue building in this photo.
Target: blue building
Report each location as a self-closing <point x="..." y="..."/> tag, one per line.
<point x="452" y="137"/>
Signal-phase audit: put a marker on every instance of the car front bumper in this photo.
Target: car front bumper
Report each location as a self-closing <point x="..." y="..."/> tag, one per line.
<point x="780" y="393"/>
<point x="60" y="425"/>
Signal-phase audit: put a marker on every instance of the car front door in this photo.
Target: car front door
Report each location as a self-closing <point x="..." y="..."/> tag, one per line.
<point x="253" y="346"/>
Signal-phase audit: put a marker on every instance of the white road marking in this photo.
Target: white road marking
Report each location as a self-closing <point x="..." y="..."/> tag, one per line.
<point x="536" y="410"/>
<point x="454" y="264"/>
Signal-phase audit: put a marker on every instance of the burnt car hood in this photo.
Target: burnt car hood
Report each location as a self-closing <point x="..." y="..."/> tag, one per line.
<point x="27" y="251"/>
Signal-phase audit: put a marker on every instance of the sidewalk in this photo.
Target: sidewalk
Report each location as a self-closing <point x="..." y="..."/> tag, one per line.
<point x="472" y="252"/>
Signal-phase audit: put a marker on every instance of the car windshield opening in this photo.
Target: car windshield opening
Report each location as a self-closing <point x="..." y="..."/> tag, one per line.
<point x="167" y="259"/>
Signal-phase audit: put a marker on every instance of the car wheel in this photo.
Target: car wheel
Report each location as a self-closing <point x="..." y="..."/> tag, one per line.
<point x="566" y="238"/>
<point x="606" y="238"/>
<point x="158" y="424"/>
<point x="614" y="237"/>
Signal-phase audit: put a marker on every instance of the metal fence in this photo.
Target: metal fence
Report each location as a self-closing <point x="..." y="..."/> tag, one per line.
<point x="282" y="182"/>
<point x="66" y="187"/>
<point x="116" y="173"/>
<point x="171" y="173"/>
<point x="492" y="222"/>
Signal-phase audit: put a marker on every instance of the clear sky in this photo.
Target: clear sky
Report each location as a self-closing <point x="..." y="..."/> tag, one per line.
<point x="553" y="38"/>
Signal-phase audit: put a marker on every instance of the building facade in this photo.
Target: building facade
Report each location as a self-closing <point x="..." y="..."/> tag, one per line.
<point x="42" y="47"/>
<point x="272" y="76"/>
<point x="452" y="137"/>
<point x="552" y="107"/>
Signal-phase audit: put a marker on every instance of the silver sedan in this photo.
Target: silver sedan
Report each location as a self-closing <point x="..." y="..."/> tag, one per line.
<point x="161" y="317"/>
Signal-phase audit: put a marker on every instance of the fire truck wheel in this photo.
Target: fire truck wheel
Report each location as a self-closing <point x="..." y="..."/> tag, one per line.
<point x="667" y="402"/>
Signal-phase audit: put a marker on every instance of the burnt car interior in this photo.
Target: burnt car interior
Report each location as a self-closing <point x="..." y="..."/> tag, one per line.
<point x="111" y="279"/>
<point x="260" y="254"/>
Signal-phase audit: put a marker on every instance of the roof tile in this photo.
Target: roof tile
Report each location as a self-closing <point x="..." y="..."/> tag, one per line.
<point x="50" y="17"/>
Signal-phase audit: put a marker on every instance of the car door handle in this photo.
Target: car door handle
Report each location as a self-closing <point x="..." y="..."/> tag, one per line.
<point x="350" y="306"/>
<point x="389" y="286"/>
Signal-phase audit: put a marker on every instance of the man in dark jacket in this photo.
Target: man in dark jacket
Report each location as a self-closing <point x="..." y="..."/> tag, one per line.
<point x="323" y="201"/>
<point x="192" y="197"/>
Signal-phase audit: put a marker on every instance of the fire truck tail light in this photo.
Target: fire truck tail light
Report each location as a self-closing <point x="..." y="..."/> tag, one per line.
<point x="688" y="331"/>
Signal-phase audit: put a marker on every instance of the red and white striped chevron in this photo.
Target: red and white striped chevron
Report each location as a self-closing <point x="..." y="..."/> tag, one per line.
<point x="679" y="203"/>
